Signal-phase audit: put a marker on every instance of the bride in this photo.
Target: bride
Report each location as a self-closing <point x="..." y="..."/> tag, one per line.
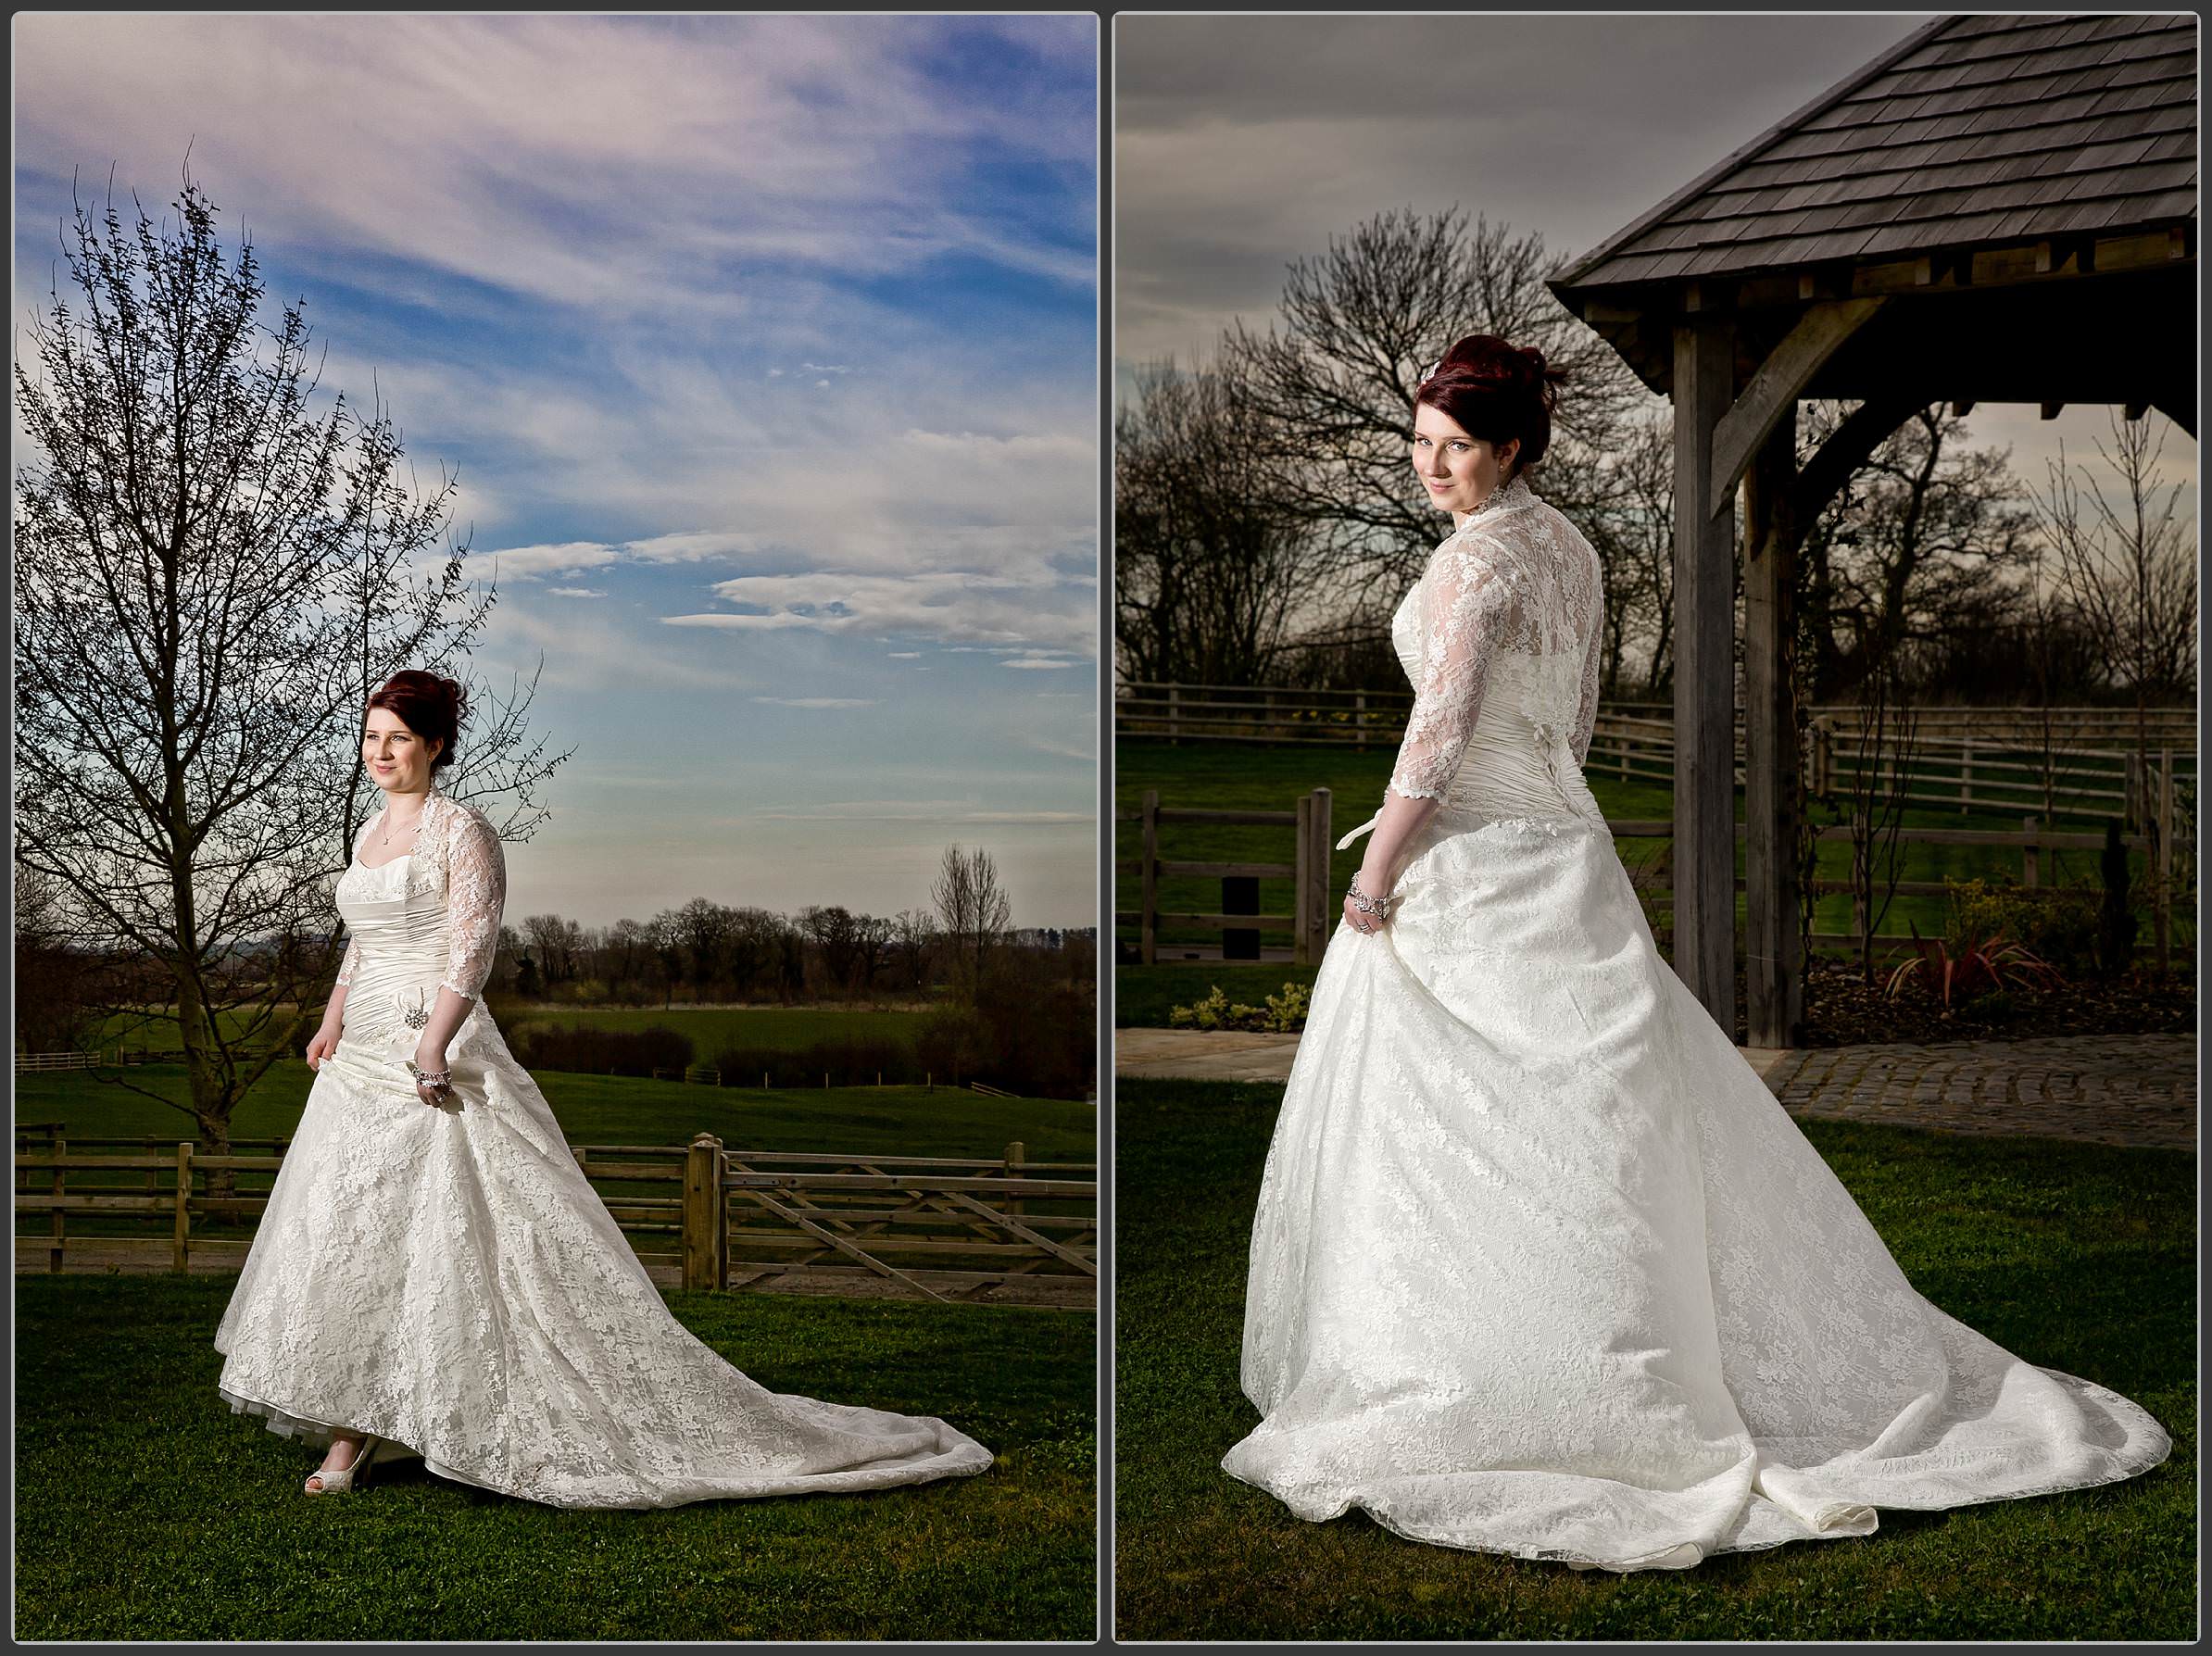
<point x="1540" y="1265"/>
<point x="434" y="1276"/>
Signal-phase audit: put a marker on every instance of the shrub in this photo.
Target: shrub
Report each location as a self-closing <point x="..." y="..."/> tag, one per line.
<point x="602" y="1051"/>
<point x="1283" y="1014"/>
<point x="2058" y="924"/>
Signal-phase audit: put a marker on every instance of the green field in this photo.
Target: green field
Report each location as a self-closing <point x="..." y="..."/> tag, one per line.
<point x="891" y="1121"/>
<point x="2080" y="1257"/>
<point x="786" y="1029"/>
<point x="1242" y="776"/>
<point x="144" y="1510"/>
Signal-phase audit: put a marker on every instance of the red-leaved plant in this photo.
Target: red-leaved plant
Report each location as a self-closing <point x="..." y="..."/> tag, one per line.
<point x="1981" y="964"/>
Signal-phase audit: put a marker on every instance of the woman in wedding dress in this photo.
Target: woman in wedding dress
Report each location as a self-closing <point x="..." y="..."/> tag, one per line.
<point x="1540" y="1265"/>
<point x="434" y="1276"/>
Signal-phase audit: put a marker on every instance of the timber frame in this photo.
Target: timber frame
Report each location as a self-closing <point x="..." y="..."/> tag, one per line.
<point x="1784" y="273"/>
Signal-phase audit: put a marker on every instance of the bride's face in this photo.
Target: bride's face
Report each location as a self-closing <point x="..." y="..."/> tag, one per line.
<point x="397" y="759"/>
<point x="1458" y="470"/>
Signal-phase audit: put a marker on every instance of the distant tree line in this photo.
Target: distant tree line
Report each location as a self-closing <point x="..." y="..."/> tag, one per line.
<point x="1268" y="522"/>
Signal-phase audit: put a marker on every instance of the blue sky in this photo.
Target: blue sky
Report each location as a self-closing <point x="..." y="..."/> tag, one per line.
<point x="765" y="349"/>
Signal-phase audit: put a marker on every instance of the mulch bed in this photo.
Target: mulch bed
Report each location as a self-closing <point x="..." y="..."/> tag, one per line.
<point x="1841" y="1009"/>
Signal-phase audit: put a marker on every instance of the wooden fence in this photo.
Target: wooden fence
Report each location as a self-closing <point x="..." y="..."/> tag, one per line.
<point x="1317" y="909"/>
<point x="700" y="1216"/>
<point x="1308" y="871"/>
<point x="1973" y="758"/>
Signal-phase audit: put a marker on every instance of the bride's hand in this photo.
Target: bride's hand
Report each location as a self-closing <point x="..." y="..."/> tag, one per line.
<point x="430" y="1061"/>
<point x="321" y="1046"/>
<point x="1357" y="918"/>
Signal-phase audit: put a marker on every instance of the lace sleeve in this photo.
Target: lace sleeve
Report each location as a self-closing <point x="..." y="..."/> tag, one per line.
<point x="353" y="958"/>
<point x="475" y="896"/>
<point x="1467" y="610"/>
<point x="1586" y="711"/>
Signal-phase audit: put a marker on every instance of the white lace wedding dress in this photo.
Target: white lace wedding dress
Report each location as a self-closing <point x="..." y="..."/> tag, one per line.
<point x="446" y="1278"/>
<point x="1540" y="1265"/>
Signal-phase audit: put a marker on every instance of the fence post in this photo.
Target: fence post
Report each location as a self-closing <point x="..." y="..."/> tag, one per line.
<point x="54" y="1248"/>
<point x="1301" y="885"/>
<point x="704" y="1222"/>
<point x="2163" y="912"/>
<point x="1147" y="923"/>
<point x="1174" y="715"/>
<point x="1966" y="777"/>
<point x="1317" y="904"/>
<point x="2031" y="861"/>
<point x="2132" y="793"/>
<point x="180" y="1246"/>
<point x="1359" y="720"/>
<point x="1824" y="753"/>
<point x="1016" y="1154"/>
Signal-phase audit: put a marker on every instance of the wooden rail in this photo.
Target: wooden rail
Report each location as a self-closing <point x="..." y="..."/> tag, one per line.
<point x="929" y="1227"/>
<point x="2031" y="838"/>
<point x="1962" y="760"/>
<point x="1308" y="873"/>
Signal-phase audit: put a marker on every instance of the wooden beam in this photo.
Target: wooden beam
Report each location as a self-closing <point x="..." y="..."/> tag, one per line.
<point x="1774" y="992"/>
<point x="1779" y="381"/>
<point x="1704" y="673"/>
<point x="1845" y="450"/>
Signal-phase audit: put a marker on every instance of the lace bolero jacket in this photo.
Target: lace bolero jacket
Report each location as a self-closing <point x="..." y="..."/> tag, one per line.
<point x="457" y="845"/>
<point x="1517" y="580"/>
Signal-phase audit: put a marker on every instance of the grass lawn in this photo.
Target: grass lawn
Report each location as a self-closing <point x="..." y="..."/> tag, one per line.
<point x="623" y="1109"/>
<point x="712" y="1029"/>
<point x="2078" y="1256"/>
<point x="1241" y="776"/>
<point x="146" y="1510"/>
<point x="715" y="1029"/>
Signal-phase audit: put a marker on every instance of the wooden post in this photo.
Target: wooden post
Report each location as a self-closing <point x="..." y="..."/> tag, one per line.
<point x="180" y="1246"/>
<point x="1705" y="670"/>
<point x="1773" y="972"/>
<point x="1302" y="884"/>
<point x="1174" y="715"/>
<point x="2162" y="909"/>
<point x="704" y="1222"/>
<point x="2132" y="793"/>
<point x="1148" y="921"/>
<point x="1318" y="902"/>
<point x="1966" y="777"/>
<point x="2031" y="857"/>
<point x="1359" y="720"/>
<point x="1016" y="1153"/>
<point x="62" y="1187"/>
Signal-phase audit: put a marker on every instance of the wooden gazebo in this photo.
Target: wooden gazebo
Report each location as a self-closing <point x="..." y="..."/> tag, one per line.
<point x="1997" y="209"/>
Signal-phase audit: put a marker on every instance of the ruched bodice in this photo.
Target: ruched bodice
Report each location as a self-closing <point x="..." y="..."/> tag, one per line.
<point x="400" y="923"/>
<point x="1519" y="759"/>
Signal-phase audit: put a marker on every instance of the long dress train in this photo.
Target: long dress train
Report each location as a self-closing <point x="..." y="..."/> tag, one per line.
<point x="1540" y="1265"/>
<point x="446" y="1278"/>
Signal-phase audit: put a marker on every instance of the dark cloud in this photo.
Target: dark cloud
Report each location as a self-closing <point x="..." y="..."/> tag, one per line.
<point x="1242" y="142"/>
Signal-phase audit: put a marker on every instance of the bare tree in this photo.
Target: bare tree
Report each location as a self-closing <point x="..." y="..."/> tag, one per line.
<point x="1207" y="567"/>
<point x="1885" y="748"/>
<point x="2129" y="565"/>
<point x="1924" y="535"/>
<point x="974" y="909"/>
<point x="207" y="573"/>
<point x="1329" y="386"/>
<point x="913" y="936"/>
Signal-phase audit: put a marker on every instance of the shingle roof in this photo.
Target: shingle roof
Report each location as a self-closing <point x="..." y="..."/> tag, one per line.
<point x="1973" y="130"/>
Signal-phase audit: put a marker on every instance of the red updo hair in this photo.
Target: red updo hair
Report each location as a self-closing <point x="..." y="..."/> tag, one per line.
<point x="1498" y="391"/>
<point x="429" y="706"/>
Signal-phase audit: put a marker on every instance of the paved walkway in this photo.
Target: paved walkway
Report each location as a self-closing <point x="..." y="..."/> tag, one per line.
<point x="2102" y="1089"/>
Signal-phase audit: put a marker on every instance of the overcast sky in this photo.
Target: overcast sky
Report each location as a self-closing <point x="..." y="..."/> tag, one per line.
<point x="766" y="351"/>
<point x="1242" y="142"/>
